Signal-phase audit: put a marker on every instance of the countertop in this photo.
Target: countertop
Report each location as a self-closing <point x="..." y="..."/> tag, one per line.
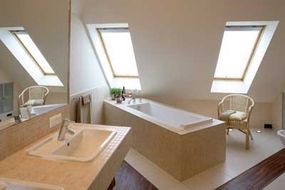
<point x="69" y="175"/>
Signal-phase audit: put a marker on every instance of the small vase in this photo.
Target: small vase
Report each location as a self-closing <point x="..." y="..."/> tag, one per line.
<point x="119" y="100"/>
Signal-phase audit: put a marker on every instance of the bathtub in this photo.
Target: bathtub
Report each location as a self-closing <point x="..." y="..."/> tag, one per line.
<point x="38" y="110"/>
<point x="281" y="134"/>
<point x="179" y="142"/>
<point x="170" y="116"/>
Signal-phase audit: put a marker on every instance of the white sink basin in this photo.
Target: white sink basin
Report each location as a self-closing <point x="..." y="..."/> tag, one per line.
<point x="83" y="146"/>
<point x="12" y="184"/>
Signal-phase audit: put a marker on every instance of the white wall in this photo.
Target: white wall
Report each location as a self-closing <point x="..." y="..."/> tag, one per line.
<point x="277" y="112"/>
<point x="47" y="22"/>
<point x="85" y="71"/>
<point x="177" y="43"/>
<point x="86" y="76"/>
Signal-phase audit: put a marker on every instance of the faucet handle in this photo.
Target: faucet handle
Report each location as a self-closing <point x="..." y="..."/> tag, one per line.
<point x="67" y="120"/>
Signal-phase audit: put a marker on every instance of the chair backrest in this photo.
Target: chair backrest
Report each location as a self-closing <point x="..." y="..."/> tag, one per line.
<point x="237" y="102"/>
<point x="33" y="93"/>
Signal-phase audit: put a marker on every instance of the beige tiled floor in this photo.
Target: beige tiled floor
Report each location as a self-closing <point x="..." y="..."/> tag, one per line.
<point x="278" y="184"/>
<point x="238" y="160"/>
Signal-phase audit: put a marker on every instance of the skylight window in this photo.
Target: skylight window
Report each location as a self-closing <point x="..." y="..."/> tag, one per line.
<point x="113" y="47"/>
<point x="22" y="47"/>
<point x="238" y="47"/>
<point x="119" y="50"/>
<point x="243" y="47"/>
<point x="34" y="52"/>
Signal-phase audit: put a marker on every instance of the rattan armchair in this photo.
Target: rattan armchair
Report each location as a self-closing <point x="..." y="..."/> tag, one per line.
<point x="33" y="96"/>
<point x="235" y="110"/>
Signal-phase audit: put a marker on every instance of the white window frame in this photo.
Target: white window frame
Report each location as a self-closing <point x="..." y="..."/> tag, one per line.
<point x="242" y="86"/>
<point x="15" y="33"/>
<point x="131" y="83"/>
<point x="118" y="29"/>
<point x="25" y="59"/>
<point x="244" y="28"/>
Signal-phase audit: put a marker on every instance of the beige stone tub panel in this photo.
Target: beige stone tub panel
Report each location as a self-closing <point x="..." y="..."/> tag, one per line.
<point x="161" y="146"/>
<point x="203" y="149"/>
<point x="180" y="155"/>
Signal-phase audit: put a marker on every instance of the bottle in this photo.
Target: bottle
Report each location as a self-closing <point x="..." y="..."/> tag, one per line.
<point x="123" y="93"/>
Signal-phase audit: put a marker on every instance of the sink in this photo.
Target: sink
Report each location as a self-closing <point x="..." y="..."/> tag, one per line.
<point x="83" y="146"/>
<point x="13" y="184"/>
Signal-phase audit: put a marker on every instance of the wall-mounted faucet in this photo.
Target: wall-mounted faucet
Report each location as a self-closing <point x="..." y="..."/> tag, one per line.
<point x="64" y="129"/>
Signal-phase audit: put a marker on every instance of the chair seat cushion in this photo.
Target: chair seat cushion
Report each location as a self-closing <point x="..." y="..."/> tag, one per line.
<point x="237" y="116"/>
<point x="226" y="115"/>
<point x="34" y="102"/>
<point x="232" y="115"/>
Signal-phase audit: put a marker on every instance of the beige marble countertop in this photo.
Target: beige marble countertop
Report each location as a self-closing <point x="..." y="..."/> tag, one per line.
<point x="69" y="175"/>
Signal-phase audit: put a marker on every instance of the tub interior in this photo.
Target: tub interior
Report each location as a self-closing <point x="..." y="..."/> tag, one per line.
<point x="169" y="115"/>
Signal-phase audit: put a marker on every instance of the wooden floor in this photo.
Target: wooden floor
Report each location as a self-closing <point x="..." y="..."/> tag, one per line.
<point x="260" y="175"/>
<point x="128" y="178"/>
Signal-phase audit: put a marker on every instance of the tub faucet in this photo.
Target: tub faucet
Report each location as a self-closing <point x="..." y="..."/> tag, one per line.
<point x="133" y="98"/>
<point x="64" y="129"/>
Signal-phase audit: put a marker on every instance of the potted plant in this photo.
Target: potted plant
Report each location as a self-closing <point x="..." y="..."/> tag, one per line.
<point x="116" y="94"/>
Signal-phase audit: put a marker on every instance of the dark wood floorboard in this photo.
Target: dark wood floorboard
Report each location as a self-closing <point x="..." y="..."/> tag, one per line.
<point x="128" y="178"/>
<point x="260" y="175"/>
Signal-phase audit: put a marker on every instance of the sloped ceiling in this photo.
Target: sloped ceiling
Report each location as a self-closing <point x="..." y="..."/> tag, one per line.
<point x="47" y="22"/>
<point x="10" y="66"/>
<point x="177" y="43"/>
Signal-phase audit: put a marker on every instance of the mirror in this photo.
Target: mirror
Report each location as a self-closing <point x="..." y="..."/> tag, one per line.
<point x="34" y="47"/>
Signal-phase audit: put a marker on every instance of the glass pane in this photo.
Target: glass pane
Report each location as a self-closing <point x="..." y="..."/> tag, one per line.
<point x="120" y="51"/>
<point x="35" y="52"/>
<point x="6" y="97"/>
<point x="237" y="47"/>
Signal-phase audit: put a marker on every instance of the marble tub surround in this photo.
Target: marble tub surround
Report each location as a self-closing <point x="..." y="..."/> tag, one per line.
<point x="182" y="153"/>
<point x="125" y="106"/>
<point x="95" y="174"/>
<point x="16" y="137"/>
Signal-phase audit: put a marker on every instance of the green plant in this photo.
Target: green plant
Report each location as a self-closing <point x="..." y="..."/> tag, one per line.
<point x="116" y="92"/>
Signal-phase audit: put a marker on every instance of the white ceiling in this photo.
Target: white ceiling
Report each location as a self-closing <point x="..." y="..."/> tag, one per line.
<point x="177" y="43"/>
<point x="47" y="22"/>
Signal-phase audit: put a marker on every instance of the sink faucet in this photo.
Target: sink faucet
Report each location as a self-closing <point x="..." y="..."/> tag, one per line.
<point x="64" y="129"/>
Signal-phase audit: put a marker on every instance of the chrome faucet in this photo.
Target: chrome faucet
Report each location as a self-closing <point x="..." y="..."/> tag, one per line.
<point x="135" y="95"/>
<point x="64" y="129"/>
<point x="133" y="98"/>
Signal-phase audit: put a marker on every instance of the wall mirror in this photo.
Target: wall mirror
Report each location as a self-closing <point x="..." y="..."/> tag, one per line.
<point x="34" y="46"/>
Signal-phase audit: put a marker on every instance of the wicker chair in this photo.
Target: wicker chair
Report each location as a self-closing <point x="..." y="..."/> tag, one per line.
<point x="235" y="110"/>
<point x="33" y="96"/>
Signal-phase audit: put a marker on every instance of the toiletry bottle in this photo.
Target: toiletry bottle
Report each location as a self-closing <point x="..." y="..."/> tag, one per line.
<point x="123" y="93"/>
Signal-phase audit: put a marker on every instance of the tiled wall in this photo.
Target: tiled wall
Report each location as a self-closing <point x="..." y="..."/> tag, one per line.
<point x="18" y="136"/>
<point x="98" y="95"/>
<point x="180" y="155"/>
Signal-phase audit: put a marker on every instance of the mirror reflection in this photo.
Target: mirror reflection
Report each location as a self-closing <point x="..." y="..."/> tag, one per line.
<point x="33" y="59"/>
